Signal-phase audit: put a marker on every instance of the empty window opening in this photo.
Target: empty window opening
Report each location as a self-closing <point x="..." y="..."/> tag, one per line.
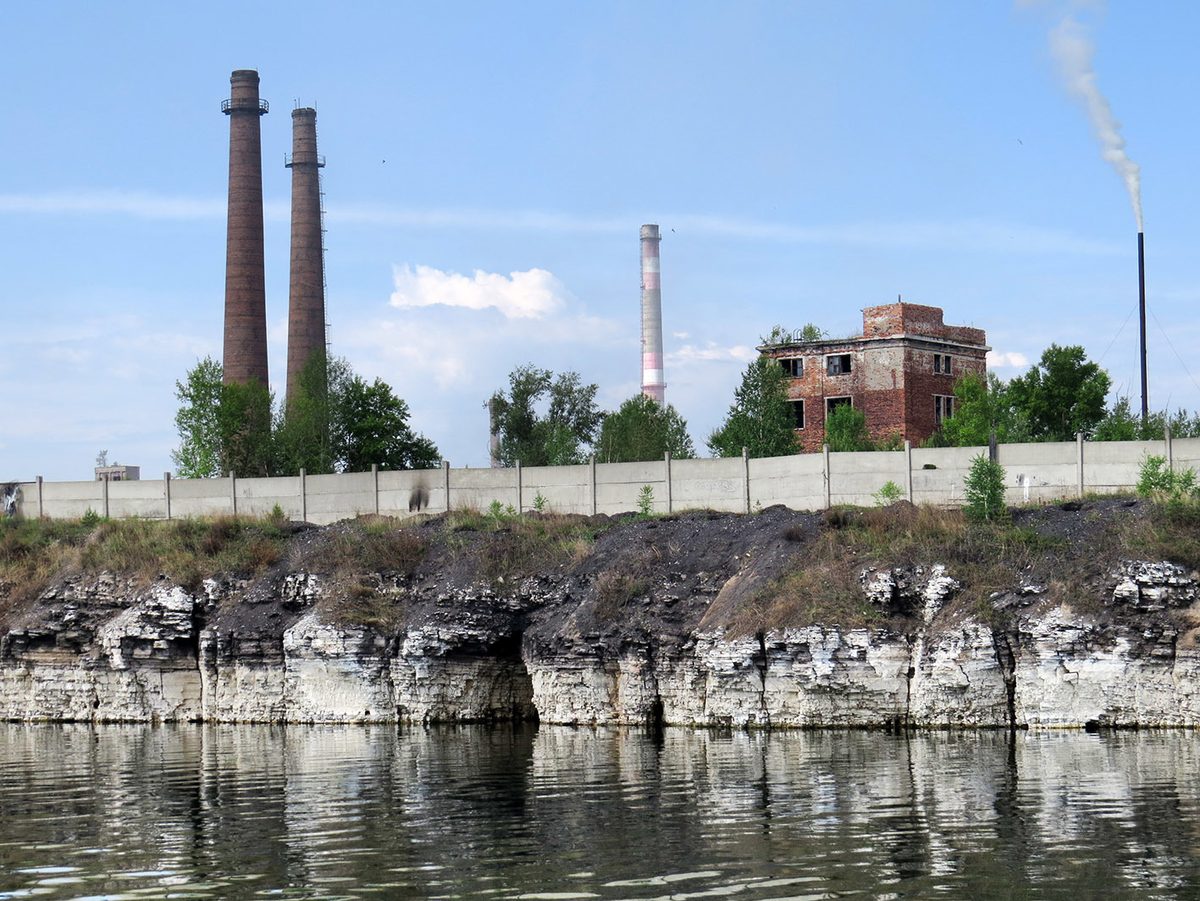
<point x="832" y="403"/>
<point x="941" y="363"/>
<point x="798" y="414"/>
<point x="793" y="366"/>
<point x="837" y="364"/>
<point x="943" y="408"/>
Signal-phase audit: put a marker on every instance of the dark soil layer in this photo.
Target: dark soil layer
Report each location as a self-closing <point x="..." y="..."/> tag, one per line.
<point x="621" y="580"/>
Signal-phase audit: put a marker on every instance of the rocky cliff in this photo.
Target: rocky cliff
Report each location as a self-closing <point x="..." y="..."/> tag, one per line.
<point x="673" y="620"/>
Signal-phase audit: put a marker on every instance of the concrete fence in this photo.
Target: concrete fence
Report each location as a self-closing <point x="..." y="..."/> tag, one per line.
<point x="1033" y="472"/>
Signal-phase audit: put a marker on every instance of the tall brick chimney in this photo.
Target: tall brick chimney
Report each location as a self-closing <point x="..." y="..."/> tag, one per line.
<point x="245" y="355"/>
<point x="306" y="294"/>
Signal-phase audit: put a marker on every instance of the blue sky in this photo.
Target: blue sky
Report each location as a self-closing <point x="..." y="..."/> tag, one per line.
<point x="489" y="167"/>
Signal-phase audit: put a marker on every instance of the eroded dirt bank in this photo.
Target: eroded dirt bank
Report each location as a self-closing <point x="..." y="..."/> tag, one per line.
<point x="1069" y="616"/>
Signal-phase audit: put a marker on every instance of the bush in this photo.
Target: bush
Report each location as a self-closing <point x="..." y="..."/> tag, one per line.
<point x="984" y="489"/>
<point x="1156" y="480"/>
<point x="888" y="494"/>
<point x="645" y="501"/>
<point x="846" y="429"/>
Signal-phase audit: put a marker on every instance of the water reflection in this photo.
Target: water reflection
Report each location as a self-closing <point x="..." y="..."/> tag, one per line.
<point x="340" y="812"/>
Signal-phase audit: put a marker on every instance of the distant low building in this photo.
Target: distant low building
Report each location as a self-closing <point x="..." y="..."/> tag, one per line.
<point x="900" y="373"/>
<point x="118" y="473"/>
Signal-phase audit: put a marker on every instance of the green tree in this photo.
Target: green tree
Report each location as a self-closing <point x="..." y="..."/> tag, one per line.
<point x="560" y="437"/>
<point x="982" y="408"/>
<point x="244" y="435"/>
<point x="304" y="424"/>
<point x="370" y="425"/>
<point x="335" y="422"/>
<point x="811" y="332"/>
<point x="1120" y="423"/>
<point x="761" y="417"/>
<point x="199" y="453"/>
<point x="1062" y="394"/>
<point x="984" y="490"/>
<point x="642" y="430"/>
<point x="846" y="429"/>
<point x="973" y="419"/>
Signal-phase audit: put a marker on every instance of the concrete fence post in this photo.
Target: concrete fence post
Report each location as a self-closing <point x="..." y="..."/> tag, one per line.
<point x="233" y="492"/>
<point x="1170" y="447"/>
<point x="908" y="469"/>
<point x="825" y="475"/>
<point x="592" y="480"/>
<point x="519" y="498"/>
<point x="746" y="475"/>
<point x="303" y="495"/>
<point x="446" y="482"/>
<point x="375" y="485"/>
<point x="105" y="498"/>
<point x="667" y="466"/>
<point x="41" y="501"/>
<point x="167" y="492"/>
<point x="1079" y="462"/>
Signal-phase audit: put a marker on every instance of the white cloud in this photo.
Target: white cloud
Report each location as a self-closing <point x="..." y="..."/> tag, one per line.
<point x="520" y="295"/>
<point x="690" y="353"/>
<point x="137" y="204"/>
<point x="140" y="205"/>
<point x="997" y="360"/>
<point x="487" y="220"/>
<point x="964" y="235"/>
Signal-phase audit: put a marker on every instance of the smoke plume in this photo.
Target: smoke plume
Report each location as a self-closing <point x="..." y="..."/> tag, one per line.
<point x="1074" y="51"/>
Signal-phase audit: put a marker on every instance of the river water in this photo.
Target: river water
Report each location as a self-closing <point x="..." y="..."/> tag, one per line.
<point x="559" y="813"/>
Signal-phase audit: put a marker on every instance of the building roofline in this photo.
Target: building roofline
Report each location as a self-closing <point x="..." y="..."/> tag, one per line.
<point x="828" y="345"/>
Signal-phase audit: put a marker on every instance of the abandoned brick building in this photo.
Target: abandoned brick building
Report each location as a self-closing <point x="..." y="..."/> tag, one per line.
<point x="900" y="373"/>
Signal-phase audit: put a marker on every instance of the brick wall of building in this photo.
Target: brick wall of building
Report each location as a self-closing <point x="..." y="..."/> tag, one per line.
<point x="892" y="377"/>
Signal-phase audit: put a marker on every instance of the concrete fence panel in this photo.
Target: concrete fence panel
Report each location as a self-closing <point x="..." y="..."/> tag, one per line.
<point x="146" y="499"/>
<point x="854" y="477"/>
<point x="619" y="485"/>
<point x="713" y="484"/>
<point x="200" y="497"/>
<point x="331" y="497"/>
<point x="797" y="481"/>
<point x="410" y="491"/>
<point x="67" y="500"/>
<point x="1040" y="472"/>
<point x="1110" y="466"/>
<point x="475" y="489"/>
<point x="938" y="473"/>
<point x="259" y="497"/>
<point x="563" y="489"/>
<point x="1184" y="453"/>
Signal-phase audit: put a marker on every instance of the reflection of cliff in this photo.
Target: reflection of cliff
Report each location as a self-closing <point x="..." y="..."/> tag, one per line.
<point x="610" y="812"/>
<point x="641" y="627"/>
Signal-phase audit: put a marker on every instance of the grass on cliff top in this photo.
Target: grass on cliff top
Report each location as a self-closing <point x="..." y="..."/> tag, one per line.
<point x="507" y="546"/>
<point x="500" y="547"/>
<point x="368" y="543"/>
<point x="33" y="552"/>
<point x="1170" y="532"/>
<point x="822" y="585"/>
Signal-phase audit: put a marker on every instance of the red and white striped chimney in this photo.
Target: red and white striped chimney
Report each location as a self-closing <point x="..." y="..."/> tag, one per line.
<point x="653" y="382"/>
